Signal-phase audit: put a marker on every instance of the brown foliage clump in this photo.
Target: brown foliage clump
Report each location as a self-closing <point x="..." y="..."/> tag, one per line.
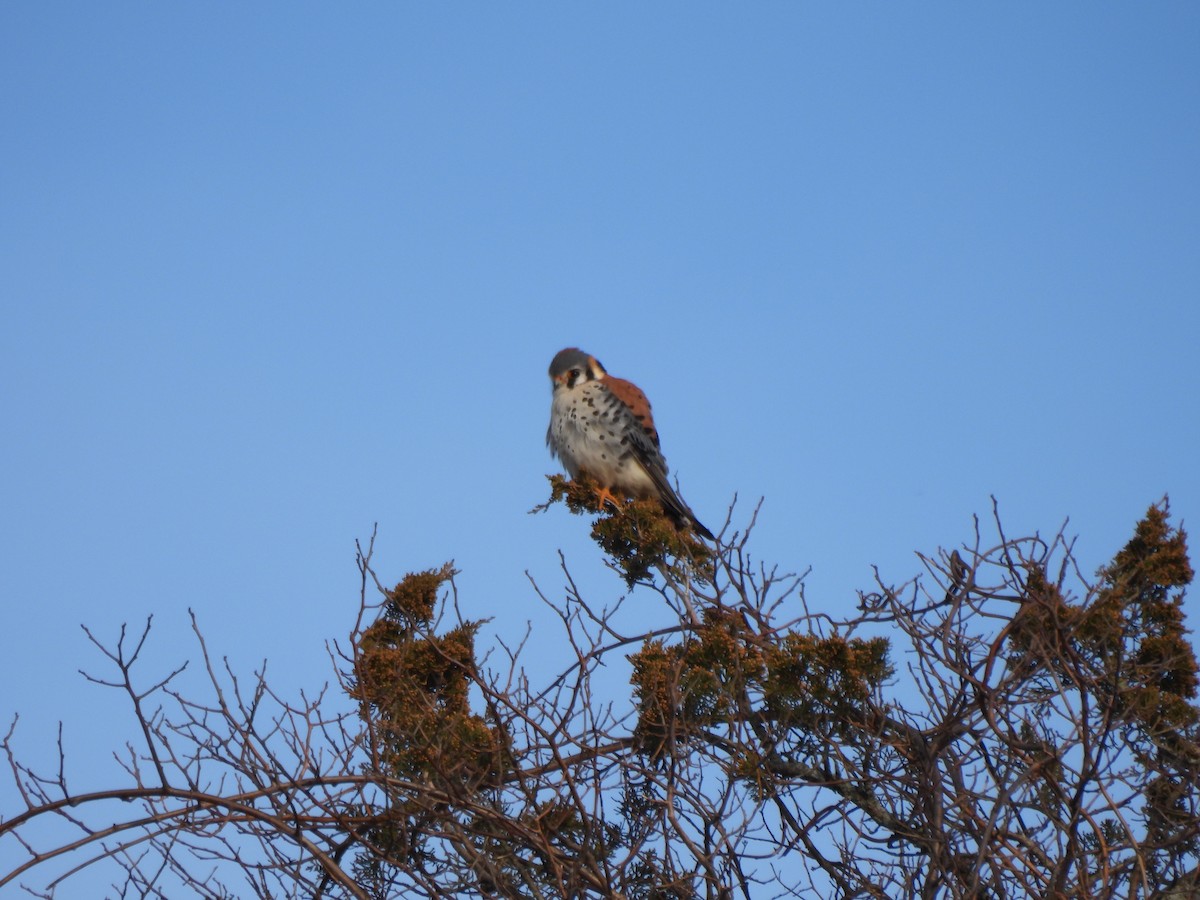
<point x="638" y="535"/>
<point x="413" y="686"/>
<point x="726" y="672"/>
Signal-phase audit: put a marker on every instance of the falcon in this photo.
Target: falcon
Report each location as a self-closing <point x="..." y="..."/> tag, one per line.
<point x="602" y="426"/>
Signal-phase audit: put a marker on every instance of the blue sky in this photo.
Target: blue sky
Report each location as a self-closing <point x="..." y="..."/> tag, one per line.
<point x="271" y="275"/>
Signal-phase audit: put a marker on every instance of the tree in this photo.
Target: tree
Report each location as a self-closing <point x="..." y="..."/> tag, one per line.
<point x="999" y="727"/>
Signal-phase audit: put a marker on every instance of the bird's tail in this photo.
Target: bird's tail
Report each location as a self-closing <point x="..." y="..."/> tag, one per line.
<point x="681" y="514"/>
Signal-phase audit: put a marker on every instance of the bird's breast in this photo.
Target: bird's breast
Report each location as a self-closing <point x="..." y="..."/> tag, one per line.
<point x="589" y="434"/>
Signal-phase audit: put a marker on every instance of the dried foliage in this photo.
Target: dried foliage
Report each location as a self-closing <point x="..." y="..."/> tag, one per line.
<point x="999" y="727"/>
<point x="638" y="536"/>
<point x="413" y="686"/>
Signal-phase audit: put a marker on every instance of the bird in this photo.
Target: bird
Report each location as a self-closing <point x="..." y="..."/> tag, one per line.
<point x="602" y="426"/>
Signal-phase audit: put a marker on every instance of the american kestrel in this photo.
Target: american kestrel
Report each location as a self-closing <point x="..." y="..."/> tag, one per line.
<point x="602" y="425"/>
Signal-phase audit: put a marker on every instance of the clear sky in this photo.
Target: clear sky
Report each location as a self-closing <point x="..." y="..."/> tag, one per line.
<point x="271" y="274"/>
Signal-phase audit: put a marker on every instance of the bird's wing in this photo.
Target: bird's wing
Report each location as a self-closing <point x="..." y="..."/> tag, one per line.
<point x="637" y="404"/>
<point x="646" y="450"/>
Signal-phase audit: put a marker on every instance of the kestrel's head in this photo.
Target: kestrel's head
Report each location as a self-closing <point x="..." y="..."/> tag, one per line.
<point x="571" y="366"/>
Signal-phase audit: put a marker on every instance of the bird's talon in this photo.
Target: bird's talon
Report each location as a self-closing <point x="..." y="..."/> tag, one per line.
<point x="604" y="495"/>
